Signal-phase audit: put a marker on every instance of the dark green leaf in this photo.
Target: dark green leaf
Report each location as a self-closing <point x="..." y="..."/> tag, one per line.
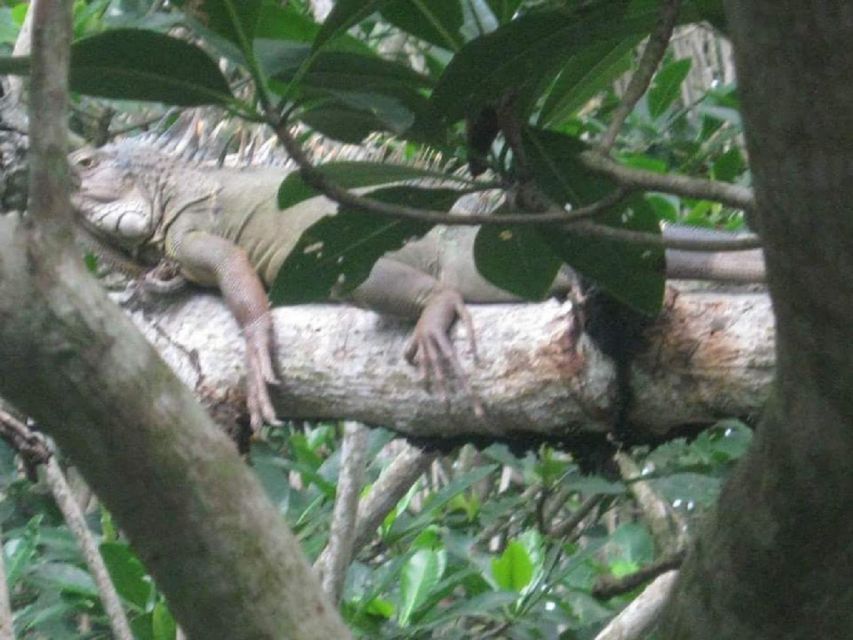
<point x="519" y="55"/>
<point x="729" y="166"/>
<point x="436" y="21"/>
<point x="667" y="85"/>
<point x="350" y="175"/>
<point x="338" y="252"/>
<point x="633" y="274"/>
<point x="162" y="623"/>
<point x="504" y="10"/>
<point x="345" y="14"/>
<point x="15" y="66"/>
<point x="516" y="259"/>
<point x="338" y="70"/>
<point x="64" y="577"/>
<point x="513" y="569"/>
<point x="345" y="123"/>
<point x="127" y="574"/>
<point x="133" y="64"/>
<point x="234" y="20"/>
<point x="418" y="578"/>
<point x="585" y="74"/>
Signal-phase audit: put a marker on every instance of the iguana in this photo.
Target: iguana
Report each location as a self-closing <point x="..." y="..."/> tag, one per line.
<point x="221" y="228"/>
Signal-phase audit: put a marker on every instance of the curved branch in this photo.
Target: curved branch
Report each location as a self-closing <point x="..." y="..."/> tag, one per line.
<point x="731" y="195"/>
<point x="649" y="62"/>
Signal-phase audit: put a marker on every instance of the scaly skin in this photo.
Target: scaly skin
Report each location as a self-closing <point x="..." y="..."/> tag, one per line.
<point x="223" y="229"/>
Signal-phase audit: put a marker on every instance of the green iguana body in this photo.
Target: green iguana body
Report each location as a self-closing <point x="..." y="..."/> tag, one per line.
<point x="222" y="228"/>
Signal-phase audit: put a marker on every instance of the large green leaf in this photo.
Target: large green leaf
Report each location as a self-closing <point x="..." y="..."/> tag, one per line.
<point x="583" y="75"/>
<point x="127" y="574"/>
<point x="133" y="64"/>
<point x="513" y="569"/>
<point x="504" y="10"/>
<point x="418" y="578"/>
<point x="667" y="85"/>
<point x="338" y="252"/>
<point x="234" y="20"/>
<point x="350" y="175"/>
<point x="345" y="14"/>
<point x="516" y="259"/>
<point x="435" y="21"/>
<point x="519" y="55"/>
<point x="631" y="273"/>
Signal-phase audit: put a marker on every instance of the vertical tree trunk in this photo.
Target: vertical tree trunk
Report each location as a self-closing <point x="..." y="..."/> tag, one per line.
<point x="775" y="560"/>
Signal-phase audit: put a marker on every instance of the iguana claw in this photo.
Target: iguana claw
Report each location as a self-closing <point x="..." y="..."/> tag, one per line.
<point x="259" y="373"/>
<point x="431" y="349"/>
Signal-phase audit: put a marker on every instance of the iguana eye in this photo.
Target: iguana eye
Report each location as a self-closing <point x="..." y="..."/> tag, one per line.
<point x="86" y="162"/>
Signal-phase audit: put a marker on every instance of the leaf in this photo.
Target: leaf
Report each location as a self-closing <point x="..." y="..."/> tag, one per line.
<point x="162" y="623"/>
<point x="338" y="252"/>
<point x="127" y="574"/>
<point x="234" y="20"/>
<point x="633" y="274"/>
<point x="132" y="64"/>
<point x="19" y="552"/>
<point x="434" y="21"/>
<point x="343" y="15"/>
<point x="729" y="166"/>
<point x="504" y="10"/>
<point x="667" y="85"/>
<point x="584" y="75"/>
<point x="418" y="578"/>
<point x="518" y="56"/>
<point x="513" y="570"/>
<point x="516" y="259"/>
<point x="350" y="175"/>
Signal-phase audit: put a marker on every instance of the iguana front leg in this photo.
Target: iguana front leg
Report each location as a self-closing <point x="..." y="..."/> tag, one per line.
<point x="210" y="260"/>
<point x="399" y="289"/>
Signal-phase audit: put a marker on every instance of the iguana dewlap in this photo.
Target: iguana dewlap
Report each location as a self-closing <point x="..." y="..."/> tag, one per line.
<point x="223" y="228"/>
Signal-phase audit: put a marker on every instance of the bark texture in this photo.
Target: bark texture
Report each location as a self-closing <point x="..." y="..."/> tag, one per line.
<point x="710" y="356"/>
<point x="195" y="514"/>
<point x="775" y="559"/>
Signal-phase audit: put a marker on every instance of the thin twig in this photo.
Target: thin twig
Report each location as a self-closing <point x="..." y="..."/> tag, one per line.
<point x="568" y="525"/>
<point x="639" y="83"/>
<point x="730" y="195"/>
<point x="336" y="557"/>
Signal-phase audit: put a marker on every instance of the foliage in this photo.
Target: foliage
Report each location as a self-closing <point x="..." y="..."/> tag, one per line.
<point x="462" y="557"/>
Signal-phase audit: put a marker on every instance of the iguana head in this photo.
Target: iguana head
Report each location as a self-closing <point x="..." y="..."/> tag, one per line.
<point x="112" y="199"/>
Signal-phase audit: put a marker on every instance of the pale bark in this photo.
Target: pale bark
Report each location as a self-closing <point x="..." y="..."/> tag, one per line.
<point x="711" y="356"/>
<point x="333" y="563"/>
<point x="635" y="620"/>
<point x="774" y="560"/>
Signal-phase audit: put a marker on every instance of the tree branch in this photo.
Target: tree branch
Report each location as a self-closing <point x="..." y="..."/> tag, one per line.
<point x="649" y="62"/>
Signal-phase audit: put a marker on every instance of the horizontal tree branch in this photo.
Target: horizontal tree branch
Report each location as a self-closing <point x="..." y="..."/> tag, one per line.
<point x="711" y="356"/>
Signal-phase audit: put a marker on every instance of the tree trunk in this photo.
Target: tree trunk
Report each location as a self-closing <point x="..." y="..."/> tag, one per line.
<point x="775" y="559"/>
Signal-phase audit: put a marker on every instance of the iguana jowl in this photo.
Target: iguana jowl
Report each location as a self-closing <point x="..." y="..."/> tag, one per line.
<point x="223" y="229"/>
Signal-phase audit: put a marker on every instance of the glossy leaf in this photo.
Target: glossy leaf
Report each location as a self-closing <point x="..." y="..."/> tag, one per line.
<point x="667" y="85"/>
<point x="133" y="64"/>
<point x="338" y="252"/>
<point x="434" y="21"/>
<point x="343" y="15"/>
<point x="234" y="20"/>
<point x="418" y="578"/>
<point x="583" y="76"/>
<point x="513" y="569"/>
<point x="521" y="54"/>
<point x="631" y="273"/>
<point x="516" y="259"/>
<point x="127" y="574"/>
<point x="504" y="10"/>
<point x="350" y="175"/>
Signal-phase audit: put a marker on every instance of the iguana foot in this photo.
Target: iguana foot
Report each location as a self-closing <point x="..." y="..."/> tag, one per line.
<point x="259" y="373"/>
<point x="431" y="350"/>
